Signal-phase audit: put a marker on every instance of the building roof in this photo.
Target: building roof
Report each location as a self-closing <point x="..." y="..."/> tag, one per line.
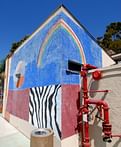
<point x="63" y="9"/>
<point x="117" y="57"/>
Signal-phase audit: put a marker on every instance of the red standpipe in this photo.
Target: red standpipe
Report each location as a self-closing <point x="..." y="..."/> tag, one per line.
<point x="119" y="136"/>
<point x="100" y="104"/>
<point x="107" y="127"/>
<point x="84" y="110"/>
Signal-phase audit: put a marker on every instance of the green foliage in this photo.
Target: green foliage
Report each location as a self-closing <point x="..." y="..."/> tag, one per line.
<point x="112" y="38"/>
<point x="2" y="66"/>
<point x="15" y="45"/>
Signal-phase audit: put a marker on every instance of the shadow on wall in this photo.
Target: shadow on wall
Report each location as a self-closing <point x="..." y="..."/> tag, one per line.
<point x="95" y="129"/>
<point x="117" y="143"/>
<point x="96" y="134"/>
<point x="94" y="85"/>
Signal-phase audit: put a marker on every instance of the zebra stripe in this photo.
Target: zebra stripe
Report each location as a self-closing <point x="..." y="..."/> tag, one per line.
<point x="44" y="107"/>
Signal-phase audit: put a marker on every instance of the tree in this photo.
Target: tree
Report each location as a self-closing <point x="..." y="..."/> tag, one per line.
<point x="15" y="45"/>
<point x="13" y="48"/>
<point x="111" y="41"/>
<point x="2" y="71"/>
<point x="2" y="66"/>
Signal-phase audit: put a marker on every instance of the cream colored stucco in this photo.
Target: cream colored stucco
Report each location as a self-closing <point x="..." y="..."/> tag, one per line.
<point x="6" y="84"/>
<point x="106" y="60"/>
<point x="71" y="141"/>
<point x="111" y="80"/>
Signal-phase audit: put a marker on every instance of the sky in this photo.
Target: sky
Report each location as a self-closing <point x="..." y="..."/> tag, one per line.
<point x="22" y="17"/>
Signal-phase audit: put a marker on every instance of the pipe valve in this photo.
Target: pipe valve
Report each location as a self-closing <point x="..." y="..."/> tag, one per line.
<point x="107" y="139"/>
<point x="107" y="130"/>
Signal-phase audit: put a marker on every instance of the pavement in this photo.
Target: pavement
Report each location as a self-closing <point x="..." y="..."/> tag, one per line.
<point x="10" y="136"/>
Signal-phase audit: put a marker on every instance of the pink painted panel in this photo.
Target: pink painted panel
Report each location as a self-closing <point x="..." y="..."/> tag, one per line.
<point x="70" y="105"/>
<point x="18" y="103"/>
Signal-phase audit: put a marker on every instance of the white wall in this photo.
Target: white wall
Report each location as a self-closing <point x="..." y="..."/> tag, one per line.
<point x="106" y="60"/>
<point x="111" y="80"/>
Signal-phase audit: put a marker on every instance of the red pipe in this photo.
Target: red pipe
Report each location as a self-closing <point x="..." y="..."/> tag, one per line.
<point x="89" y="66"/>
<point x="116" y="136"/>
<point x="85" y="125"/>
<point x="91" y="91"/>
<point x="85" y="111"/>
<point x="99" y="103"/>
<point x="107" y="128"/>
<point x="102" y="106"/>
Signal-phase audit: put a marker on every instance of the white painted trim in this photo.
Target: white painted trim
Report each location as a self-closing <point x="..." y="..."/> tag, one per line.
<point x="106" y="59"/>
<point x="109" y="68"/>
<point x="6" y="85"/>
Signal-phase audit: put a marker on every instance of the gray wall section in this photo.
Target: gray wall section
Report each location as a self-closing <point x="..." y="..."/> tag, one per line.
<point x="111" y="80"/>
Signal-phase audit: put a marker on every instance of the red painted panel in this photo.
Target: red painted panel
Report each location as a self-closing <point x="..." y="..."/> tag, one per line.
<point x="18" y="103"/>
<point x="70" y="104"/>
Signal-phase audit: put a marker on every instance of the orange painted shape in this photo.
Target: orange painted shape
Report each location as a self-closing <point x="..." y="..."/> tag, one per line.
<point x="1" y="108"/>
<point x="20" y="81"/>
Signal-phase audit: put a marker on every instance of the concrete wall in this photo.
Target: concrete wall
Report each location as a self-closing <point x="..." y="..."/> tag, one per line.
<point x="111" y="80"/>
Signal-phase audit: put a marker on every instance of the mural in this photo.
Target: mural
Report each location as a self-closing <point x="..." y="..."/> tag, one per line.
<point x="50" y="48"/>
<point x="44" y="107"/>
<point x="61" y="24"/>
<point x="40" y="89"/>
<point x="18" y="103"/>
<point x="70" y="107"/>
<point x="18" y="77"/>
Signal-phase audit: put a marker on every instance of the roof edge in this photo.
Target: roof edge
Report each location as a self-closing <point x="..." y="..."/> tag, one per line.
<point x="57" y="11"/>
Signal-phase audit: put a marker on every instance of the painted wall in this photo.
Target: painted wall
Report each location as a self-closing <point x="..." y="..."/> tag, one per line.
<point x="44" y="107"/>
<point x="40" y="91"/>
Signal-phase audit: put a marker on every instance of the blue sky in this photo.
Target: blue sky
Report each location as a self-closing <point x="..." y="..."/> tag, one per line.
<point x="21" y="17"/>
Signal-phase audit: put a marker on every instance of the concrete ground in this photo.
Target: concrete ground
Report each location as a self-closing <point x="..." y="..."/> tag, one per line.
<point x="10" y="136"/>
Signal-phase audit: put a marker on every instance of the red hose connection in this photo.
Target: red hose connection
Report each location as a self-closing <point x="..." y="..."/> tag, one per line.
<point x="101" y="105"/>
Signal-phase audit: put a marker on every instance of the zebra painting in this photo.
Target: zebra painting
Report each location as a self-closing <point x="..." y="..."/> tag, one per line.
<point x="45" y="107"/>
